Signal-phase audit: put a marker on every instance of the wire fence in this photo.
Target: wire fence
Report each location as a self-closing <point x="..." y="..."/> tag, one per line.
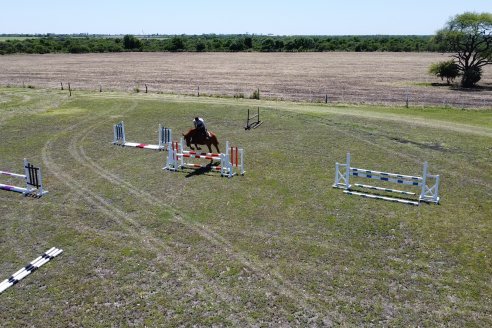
<point x="480" y="98"/>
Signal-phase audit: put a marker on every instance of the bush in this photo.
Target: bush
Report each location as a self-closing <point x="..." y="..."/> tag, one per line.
<point x="177" y="44"/>
<point x="256" y="94"/>
<point x="78" y="49"/>
<point x="130" y="42"/>
<point x="471" y="76"/>
<point x="448" y="70"/>
<point x="200" y="46"/>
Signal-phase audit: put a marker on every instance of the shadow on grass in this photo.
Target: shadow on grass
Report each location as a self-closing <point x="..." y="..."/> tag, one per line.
<point x="457" y="87"/>
<point x="205" y="169"/>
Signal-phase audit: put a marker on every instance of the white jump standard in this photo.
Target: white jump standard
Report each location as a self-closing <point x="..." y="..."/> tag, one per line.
<point x="427" y="194"/>
<point x="231" y="163"/>
<point x="32" y="177"/>
<point x="31" y="267"/>
<point x="164" y="137"/>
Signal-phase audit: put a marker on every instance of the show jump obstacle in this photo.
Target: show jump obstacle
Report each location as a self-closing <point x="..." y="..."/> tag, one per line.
<point x="31" y="267"/>
<point x="165" y="136"/>
<point x="250" y="124"/>
<point x="32" y="177"/>
<point x="231" y="163"/>
<point x="427" y="194"/>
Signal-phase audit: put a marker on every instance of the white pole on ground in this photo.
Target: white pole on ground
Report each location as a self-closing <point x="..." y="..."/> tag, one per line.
<point x="32" y="266"/>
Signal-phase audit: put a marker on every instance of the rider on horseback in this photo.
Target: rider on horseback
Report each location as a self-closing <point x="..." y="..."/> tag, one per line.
<point x="199" y="124"/>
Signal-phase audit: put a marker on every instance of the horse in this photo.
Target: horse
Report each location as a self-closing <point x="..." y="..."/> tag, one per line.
<point x="194" y="136"/>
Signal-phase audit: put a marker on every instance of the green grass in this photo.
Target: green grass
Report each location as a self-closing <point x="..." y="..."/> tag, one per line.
<point x="276" y="247"/>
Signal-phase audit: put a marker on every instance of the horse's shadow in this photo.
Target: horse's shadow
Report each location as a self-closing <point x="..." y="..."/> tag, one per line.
<point x="201" y="170"/>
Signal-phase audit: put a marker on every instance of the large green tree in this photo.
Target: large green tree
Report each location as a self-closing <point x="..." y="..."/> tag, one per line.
<point x="469" y="37"/>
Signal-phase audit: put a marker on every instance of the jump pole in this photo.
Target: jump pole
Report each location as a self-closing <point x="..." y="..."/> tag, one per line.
<point x="29" y="268"/>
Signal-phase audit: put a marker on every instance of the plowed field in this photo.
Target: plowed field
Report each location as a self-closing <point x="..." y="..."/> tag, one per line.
<point x="380" y="78"/>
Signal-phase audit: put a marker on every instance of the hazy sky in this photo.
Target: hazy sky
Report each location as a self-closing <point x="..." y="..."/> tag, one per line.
<point x="286" y="17"/>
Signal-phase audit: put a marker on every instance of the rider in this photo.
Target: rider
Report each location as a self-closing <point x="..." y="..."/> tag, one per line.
<point x="199" y="124"/>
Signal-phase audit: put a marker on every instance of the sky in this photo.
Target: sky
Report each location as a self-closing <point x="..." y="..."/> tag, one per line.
<point x="285" y="17"/>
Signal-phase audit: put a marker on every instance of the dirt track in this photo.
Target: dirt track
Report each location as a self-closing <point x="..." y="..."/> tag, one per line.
<point x="387" y="78"/>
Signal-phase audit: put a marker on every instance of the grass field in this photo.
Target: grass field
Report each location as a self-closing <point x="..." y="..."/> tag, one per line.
<point x="276" y="247"/>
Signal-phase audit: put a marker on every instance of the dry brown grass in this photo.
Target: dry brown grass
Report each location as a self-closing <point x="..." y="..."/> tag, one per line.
<point x="383" y="78"/>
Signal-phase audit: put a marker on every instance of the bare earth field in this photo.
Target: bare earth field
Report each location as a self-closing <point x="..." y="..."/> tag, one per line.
<point x="379" y="78"/>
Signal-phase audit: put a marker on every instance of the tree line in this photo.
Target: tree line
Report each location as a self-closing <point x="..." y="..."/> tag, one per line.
<point x="212" y="43"/>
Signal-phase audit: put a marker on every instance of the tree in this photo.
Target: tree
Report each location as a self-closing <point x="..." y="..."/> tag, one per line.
<point x="248" y="42"/>
<point x="448" y="70"/>
<point x="177" y="44"/>
<point x="130" y="42"/>
<point x="469" y="37"/>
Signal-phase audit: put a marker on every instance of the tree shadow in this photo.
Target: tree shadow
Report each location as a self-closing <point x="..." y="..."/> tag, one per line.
<point x="458" y="87"/>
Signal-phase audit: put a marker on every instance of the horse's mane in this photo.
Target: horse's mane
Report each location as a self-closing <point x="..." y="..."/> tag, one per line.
<point x="190" y="133"/>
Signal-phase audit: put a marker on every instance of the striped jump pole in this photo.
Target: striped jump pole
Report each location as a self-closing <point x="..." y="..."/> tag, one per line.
<point x="32" y="177"/>
<point x="119" y="138"/>
<point x="29" y="268"/>
<point x="429" y="194"/>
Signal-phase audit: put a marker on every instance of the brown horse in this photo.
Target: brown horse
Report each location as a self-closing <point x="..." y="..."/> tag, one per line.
<point x="194" y="136"/>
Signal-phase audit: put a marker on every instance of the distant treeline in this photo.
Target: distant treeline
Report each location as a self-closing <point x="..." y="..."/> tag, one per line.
<point x="11" y="44"/>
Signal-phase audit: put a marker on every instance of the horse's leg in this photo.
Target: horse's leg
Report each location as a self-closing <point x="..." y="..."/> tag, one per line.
<point x="197" y="148"/>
